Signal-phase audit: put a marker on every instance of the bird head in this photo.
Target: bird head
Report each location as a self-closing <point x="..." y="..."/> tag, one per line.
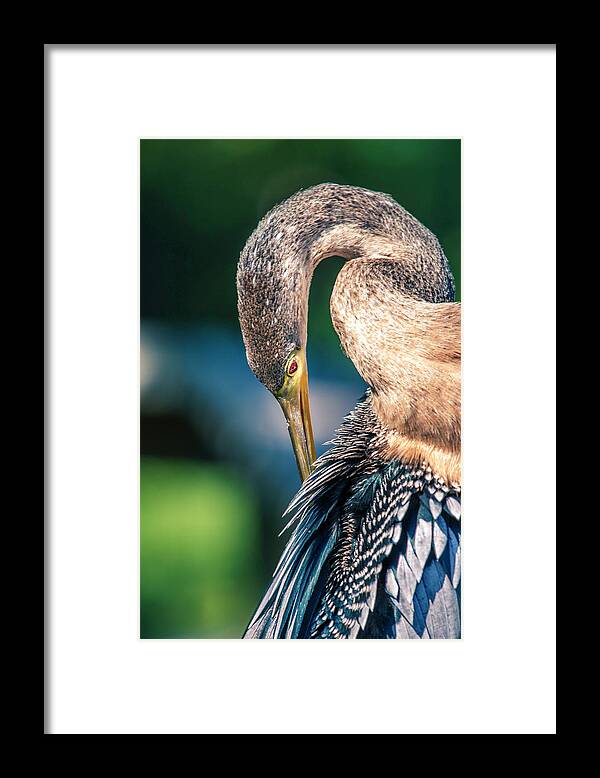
<point x="272" y="303"/>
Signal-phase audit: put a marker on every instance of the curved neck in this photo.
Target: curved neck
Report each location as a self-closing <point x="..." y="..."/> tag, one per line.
<point x="278" y="260"/>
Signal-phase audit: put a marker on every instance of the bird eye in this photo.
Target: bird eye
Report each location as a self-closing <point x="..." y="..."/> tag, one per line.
<point x="292" y="367"/>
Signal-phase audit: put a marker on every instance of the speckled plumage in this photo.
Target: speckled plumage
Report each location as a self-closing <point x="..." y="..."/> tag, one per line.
<point x="375" y="551"/>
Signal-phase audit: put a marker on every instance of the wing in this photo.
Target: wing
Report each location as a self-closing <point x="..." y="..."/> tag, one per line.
<point x="419" y="594"/>
<point x="288" y="608"/>
<point x="297" y="582"/>
<point x="397" y="572"/>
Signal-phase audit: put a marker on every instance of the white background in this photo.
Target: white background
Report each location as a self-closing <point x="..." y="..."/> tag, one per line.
<point x="500" y="677"/>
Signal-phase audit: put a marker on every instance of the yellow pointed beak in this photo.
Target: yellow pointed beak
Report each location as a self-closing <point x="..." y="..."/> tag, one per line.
<point x="296" y="407"/>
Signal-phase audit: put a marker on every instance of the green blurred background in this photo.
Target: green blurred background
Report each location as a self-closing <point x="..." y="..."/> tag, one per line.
<point x="216" y="467"/>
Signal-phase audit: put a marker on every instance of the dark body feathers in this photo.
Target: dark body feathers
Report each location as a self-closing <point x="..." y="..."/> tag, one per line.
<point x="375" y="552"/>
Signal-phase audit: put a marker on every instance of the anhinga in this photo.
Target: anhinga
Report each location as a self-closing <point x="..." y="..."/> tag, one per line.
<point x="375" y="552"/>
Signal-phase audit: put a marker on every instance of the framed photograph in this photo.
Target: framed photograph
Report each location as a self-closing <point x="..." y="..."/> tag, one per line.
<point x="297" y="295"/>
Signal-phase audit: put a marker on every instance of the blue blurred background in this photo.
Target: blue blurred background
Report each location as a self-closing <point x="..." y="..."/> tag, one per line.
<point x="217" y="469"/>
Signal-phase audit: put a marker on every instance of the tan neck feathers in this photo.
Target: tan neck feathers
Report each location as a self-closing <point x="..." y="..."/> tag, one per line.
<point x="409" y="352"/>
